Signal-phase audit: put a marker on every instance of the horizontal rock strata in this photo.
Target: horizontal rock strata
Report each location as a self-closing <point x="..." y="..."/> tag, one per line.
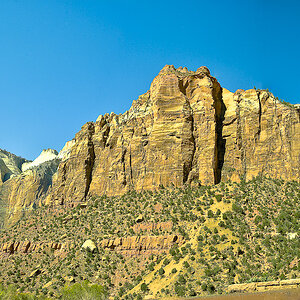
<point x="28" y="246"/>
<point x="130" y="246"/>
<point x="141" y="245"/>
<point x="263" y="286"/>
<point x="164" y="226"/>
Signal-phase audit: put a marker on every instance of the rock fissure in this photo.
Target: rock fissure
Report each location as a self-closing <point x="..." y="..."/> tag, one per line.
<point x="124" y="150"/>
<point x="257" y="136"/>
<point x="90" y="160"/>
<point x="220" y="142"/>
<point x="130" y="166"/>
<point x="188" y="166"/>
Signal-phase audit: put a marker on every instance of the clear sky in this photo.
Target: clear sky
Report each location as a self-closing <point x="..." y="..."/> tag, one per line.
<point x="62" y="63"/>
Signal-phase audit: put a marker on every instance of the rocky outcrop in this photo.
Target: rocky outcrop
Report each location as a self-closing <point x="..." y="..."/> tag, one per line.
<point x="25" y="247"/>
<point x="28" y="182"/>
<point x="163" y="226"/>
<point x="130" y="246"/>
<point x="46" y="155"/>
<point x="263" y="286"/>
<point x="10" y="165"/>
<point x="141" y="245"/>
<point x="24" y="192"/>
<point x="186" y="129"/>
<point x="262" y="136"/>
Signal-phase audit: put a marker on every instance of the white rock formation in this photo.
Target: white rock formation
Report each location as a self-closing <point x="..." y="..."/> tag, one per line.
<point x="46" y="155"/>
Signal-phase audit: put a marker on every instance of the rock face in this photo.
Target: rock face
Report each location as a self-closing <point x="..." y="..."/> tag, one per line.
<point x="129" y="246"/>
<point x="10" y="165"/>
<point x="263" y="286"/>
<point x="26" y="191"/>
<point x="186" y="129"/>
<point x="29" y="246"/>
<point x="141" y="245"/>
<point x="46" y="155"/>
<point x="25" y="184"/>
<point x="261" y="136"/>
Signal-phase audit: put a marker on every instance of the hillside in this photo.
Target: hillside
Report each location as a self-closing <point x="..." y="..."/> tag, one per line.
<point x="173" y="241"/>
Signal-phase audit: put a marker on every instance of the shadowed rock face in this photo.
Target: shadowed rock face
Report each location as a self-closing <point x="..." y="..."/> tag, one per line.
<point x="10" y="165"/>
<point x="186" y="129"/>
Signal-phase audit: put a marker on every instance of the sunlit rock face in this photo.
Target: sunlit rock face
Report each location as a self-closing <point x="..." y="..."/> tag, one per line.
<point x="24" y="183"/>
<point x="186" y="129"/>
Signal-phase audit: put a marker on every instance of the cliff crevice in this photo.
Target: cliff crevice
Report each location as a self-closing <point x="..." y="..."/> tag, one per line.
<point x="90" y="160"/>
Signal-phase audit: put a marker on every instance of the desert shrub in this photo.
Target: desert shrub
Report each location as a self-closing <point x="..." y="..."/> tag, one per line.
<point x="144" y="287"/>
<point x="161" y="271"/>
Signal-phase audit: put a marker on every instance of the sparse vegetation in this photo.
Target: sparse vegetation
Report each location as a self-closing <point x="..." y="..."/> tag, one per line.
<point x="233" y="233"/>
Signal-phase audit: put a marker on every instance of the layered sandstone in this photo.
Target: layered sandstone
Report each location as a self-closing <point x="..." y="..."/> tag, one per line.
<point x="24" y="192"/>
<point x="186" y="129"/>
<point x="26" y="247"/>
<point x="130" y="245"/>
<point x="142" y="245"/>
<point x="263" y="286"/>
<point x="26" y="184"/>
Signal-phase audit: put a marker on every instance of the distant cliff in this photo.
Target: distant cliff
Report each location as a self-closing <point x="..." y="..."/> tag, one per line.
<point x="186" y="129"/>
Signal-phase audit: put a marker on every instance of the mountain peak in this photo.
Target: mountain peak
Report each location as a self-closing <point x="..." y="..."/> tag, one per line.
<point x="46" y="155"/>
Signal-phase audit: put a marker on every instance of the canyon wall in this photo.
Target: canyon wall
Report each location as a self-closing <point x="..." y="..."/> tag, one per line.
<point x="186" y="129"/>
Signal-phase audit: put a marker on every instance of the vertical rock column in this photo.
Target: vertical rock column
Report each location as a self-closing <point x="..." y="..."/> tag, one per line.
<point x="205" y="97"/>
<point x="74" y="175"/>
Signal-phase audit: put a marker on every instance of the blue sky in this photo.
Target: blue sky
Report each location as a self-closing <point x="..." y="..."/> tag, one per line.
<point x="62" y="63"/>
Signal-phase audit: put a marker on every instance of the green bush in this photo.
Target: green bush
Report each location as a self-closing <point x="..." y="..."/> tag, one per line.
<point x="161" y="271"/>
<point x="83" y="291"/>
<point x="144" y="287"/>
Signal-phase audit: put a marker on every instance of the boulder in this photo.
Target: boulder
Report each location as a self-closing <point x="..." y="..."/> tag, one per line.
<point x="89" y="245"/>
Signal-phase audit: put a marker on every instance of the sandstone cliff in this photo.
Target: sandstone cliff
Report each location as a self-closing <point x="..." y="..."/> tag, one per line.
<point x="24" y="192"/>
<point x="24" y="183"/>
<point x="10" y="165"/>
<point x="46" y="155"/>
<point x="186" y="129"/>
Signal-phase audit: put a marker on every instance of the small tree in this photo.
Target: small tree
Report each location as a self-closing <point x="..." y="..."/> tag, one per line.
<point x="144" y="287"/>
